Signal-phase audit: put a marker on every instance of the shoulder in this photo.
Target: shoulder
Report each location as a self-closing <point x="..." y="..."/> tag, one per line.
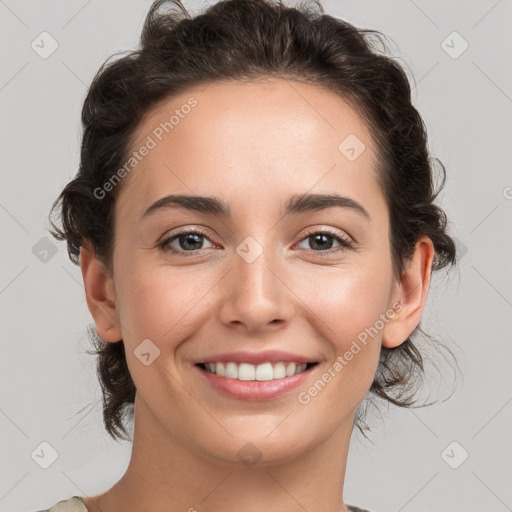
<point x="74" y="504"/>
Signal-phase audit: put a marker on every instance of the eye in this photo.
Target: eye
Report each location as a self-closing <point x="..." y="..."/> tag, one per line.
<point x="321" y="242"/>
<point x="190" y="241"/>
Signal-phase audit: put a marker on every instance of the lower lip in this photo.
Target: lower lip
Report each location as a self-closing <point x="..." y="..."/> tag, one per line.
<point x="255" y="390"/>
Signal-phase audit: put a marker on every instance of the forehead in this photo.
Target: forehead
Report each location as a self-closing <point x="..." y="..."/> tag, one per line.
<point x="235" y="138"/>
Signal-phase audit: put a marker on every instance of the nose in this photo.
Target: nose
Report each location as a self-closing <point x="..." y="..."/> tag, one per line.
<point x="256" y="296"/>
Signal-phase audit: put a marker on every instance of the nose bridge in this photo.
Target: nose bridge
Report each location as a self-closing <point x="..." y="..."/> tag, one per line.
<point x="254" y="295"/>
<point x="252" y="267"/>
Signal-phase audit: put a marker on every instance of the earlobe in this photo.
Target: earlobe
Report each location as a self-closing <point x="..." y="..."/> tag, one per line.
<point x="412" y="289"/>
<point x="100" y="296"/>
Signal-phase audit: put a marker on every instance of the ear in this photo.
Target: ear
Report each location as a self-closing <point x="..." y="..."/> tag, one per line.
<point x="411" y="293"/>
<point x="99" y="292"/>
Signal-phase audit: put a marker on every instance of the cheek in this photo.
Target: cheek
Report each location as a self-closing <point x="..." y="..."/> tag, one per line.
<point x="159" y="303"/>
<point x="349" y="300"/>
<point x="163" y="306"/>
<point x="349" y="307"/>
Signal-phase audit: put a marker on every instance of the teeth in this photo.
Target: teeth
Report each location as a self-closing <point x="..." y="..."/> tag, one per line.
<point x="220" y="369"/>
<point x="246" y="371"/>
<point x="231" y="371"/>
<point x="290" y="369"/>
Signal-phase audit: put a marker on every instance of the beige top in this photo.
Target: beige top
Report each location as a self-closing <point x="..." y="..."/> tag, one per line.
<point x="75" y="504"/>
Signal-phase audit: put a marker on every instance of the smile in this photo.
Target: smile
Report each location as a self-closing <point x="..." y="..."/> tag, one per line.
<point x="261" y="372"/>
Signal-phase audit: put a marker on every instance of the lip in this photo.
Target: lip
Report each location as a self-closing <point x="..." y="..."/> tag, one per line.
<point x="254" y="390"/>
<point x="266" y="356"/>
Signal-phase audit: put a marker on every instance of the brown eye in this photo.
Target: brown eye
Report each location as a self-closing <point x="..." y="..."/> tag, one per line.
<point x="322" y="241"/>
<point x="188" y="242"/>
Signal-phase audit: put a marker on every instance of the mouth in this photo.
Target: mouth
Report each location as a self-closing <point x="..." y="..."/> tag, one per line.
<point x="256" y="375"/>
<point x="267" y="371"/>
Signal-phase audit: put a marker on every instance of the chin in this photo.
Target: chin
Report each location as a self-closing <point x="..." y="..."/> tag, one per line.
<point x="258" y="447"/>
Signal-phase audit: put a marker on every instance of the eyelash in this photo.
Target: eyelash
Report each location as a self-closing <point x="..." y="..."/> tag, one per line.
<point x="346" y="244"/>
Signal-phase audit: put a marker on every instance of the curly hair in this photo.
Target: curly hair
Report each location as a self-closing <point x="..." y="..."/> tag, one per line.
<point x="236" y="40"/>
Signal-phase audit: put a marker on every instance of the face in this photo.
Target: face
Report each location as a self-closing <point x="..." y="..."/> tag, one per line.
<point x="276" y="274"/>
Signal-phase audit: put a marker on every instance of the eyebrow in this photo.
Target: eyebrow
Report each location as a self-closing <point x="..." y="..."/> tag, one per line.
<point x="300" y="203"/>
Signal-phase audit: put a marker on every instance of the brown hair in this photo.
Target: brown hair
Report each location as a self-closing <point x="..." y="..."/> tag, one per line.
<point x="239" y="40"/>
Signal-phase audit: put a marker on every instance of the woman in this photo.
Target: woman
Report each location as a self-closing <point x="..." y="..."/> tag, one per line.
<point x="255" y="223"/>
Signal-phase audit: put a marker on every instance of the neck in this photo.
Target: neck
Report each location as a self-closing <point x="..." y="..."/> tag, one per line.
<point x="164" y="475"/>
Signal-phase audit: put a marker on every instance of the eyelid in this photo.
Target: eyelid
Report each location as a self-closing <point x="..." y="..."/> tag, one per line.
<point x="335" y="232"/>
<point x="183" y="230"/>
<point x="171" y="236"/>
<point x="346" y="241"/>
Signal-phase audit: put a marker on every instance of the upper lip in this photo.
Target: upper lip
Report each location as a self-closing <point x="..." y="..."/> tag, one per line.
<point x="267" y="356"/>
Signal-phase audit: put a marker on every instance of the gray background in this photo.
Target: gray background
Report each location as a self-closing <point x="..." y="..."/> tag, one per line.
<point x="46" y="375"/>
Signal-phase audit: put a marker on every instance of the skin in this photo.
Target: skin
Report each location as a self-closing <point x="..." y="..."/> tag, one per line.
<point x="252" y="145"/>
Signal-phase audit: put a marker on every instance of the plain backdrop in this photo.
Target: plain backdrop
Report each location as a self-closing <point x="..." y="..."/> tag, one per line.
<point x="452" y="456"/>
